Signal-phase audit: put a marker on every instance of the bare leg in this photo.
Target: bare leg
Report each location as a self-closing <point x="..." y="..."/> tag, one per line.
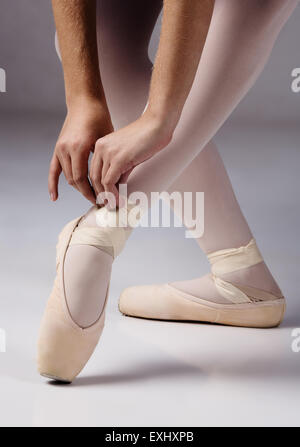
<point x="241" y="36"/>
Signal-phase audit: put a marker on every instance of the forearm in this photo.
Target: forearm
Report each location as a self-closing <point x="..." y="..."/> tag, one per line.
<point x="184" y="29"/>
<point x="88" y="117"/>
<point x="76" y="29"/>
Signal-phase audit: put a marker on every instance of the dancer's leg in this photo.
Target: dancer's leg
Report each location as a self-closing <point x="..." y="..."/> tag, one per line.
<point x="124" y="32"/>
<point x="224" y="224"/>
<point x="240" y="39"/>
<point x="63" y="347"/>
<point x="84" y="255"/>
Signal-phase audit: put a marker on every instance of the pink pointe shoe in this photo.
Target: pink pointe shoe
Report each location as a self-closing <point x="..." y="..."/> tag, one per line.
<point x="247" y="306"/>
<point x="64" y="347"/>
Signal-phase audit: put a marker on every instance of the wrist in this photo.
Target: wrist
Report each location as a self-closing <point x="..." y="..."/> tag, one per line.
<point x="159" y="128"/>
<point x="165" y="118"/>
<point x="86" y="101"/>
<point x="84" y="93"/>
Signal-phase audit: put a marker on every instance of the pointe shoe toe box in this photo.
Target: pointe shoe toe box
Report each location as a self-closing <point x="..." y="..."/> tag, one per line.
<point x="63" y="347"/>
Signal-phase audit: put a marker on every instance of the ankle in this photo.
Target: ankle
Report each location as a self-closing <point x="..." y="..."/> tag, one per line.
<point x="258" y="276"/>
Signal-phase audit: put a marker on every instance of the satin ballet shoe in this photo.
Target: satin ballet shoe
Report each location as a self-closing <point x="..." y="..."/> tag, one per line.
<point x="64" y="347"/>
<point x="247" y="306"/>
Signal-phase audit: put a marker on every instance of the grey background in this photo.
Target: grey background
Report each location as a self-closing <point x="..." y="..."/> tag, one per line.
<point x="145" y="373"/>
<point x="34" y="77"/>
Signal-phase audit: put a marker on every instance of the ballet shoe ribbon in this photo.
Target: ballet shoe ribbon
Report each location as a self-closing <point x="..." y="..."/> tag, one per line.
<point x="231" y="260"/>
<point x="110" y="234"/>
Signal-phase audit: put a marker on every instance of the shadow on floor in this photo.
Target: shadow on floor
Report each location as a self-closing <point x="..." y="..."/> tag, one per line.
<point x="142" y="372"/>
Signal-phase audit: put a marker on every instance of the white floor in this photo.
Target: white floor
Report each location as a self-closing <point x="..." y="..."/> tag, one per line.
<point x="148" y="373"/>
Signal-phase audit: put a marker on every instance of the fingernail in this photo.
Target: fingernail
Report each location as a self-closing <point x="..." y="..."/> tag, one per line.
<point x="52" y="197"/>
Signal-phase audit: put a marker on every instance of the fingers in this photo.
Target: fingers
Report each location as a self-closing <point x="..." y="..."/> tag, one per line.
<point x="65" y="162"/>
<point x="110" y="178"/>
<point x="95" y="174"/>
<point x="80" y="176"/>
<point x="75" y="168"/>
<point x="108" y="168"/>
<point x="124" y="177"/>
<point x="53" y="178"/>
<point x="100" y="176"/>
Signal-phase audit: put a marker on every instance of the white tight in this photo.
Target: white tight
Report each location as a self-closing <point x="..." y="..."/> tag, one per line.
<point x="241" y="36"/>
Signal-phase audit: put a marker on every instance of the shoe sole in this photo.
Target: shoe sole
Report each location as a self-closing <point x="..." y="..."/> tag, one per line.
<point x="176" y="308"/>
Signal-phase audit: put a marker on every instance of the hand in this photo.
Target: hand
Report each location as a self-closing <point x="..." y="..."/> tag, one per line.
<point x="85" y="123"/>
<point x="117" y="154"/>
